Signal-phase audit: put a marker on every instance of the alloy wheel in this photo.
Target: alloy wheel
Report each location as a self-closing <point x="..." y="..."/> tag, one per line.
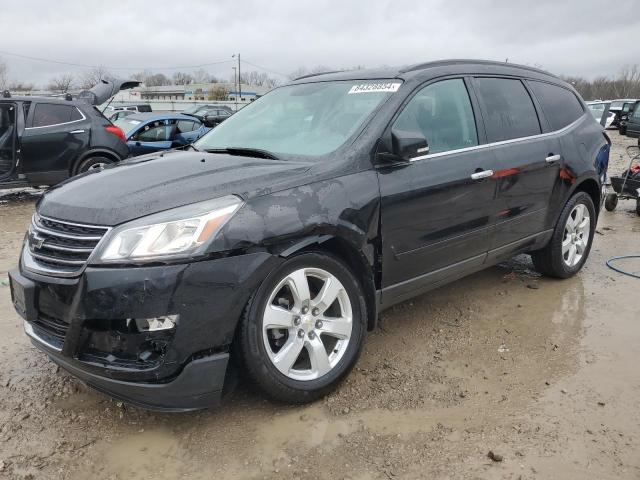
<point x="307" y="324"/>
<point x="576" y="235"/>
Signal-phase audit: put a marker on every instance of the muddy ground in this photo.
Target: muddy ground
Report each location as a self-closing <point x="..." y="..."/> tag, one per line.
<point x="544" y="373"/>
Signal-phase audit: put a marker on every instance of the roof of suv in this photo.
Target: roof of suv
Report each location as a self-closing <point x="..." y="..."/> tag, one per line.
<point x="428" y="69"/>
<point x="28" y="98"/>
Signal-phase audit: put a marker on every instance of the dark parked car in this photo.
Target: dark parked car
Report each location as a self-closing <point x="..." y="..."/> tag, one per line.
<point x="44" y="140"/>
<point x="621" y="107"/>
<point x="280" y="237"/>
<point x="212" y="117"/>
<point x="624" y="117"/>
<point x="152" y="132"/>
<point x="197" y="108"/>
<point x="633" y="123"/>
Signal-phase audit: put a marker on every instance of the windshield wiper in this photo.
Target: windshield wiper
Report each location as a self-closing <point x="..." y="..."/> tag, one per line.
<point x="245" y="152"/>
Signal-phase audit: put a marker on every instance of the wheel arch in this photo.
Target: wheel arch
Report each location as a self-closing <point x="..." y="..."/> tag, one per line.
<point x="102" y="152"/>
<point x="591" y="187"/>
<point x="352" y="257"/>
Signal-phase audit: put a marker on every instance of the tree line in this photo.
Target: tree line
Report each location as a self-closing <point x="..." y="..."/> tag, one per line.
<point x="625" y="84"/>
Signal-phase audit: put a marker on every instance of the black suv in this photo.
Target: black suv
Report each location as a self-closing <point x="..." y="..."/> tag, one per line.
<point x="279" y="237"/>
<point x="632" y="126"/>
<point x="44" y="140"/>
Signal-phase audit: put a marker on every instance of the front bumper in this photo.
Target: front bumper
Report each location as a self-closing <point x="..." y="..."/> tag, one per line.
<point x="85" y="325"/>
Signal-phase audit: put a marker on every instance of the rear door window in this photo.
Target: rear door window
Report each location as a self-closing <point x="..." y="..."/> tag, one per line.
<point x="157" y="131"/>
<point x="47" y="114"/>
<point x="507" y="109"/>
<point x="442" y="113"/>
<point x="560" y="106"/>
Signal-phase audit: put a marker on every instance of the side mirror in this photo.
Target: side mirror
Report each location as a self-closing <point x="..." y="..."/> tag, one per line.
<point x="408" y="145"/>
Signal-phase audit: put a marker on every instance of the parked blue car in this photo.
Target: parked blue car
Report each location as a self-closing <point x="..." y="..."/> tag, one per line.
<point x="151" y="132"/>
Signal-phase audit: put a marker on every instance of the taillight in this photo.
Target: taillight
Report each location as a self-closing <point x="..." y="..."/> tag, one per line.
<point x="117" y="131"/>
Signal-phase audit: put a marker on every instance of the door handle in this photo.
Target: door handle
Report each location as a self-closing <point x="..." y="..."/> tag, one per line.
<point x="482" y="174"/>
<point x="552" y="158"/>
<point x="77" y="131"/>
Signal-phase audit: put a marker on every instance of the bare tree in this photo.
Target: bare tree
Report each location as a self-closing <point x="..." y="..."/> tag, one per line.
<point x="182" y="78"/>
<point x="157" y="80"/>
<point x="625" y="85"/>
<point x="18" y="86"/>
<point x="94" y="76"/>
<point x="201" y="76"/>
<point x="4" y="75"/>
<point x="218" y="92"/>
<point x="61" y="84"/>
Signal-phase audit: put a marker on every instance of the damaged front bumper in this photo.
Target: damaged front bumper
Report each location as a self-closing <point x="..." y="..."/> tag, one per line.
<point x="91" y="326"/>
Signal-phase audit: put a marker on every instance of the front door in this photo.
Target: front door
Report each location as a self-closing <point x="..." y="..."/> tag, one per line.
<point x="152" y="137"/>
<point x="8" y="129"/>
<point x="436" y="210"/>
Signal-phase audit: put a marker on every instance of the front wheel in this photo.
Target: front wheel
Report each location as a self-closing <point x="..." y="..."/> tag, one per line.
<point x="570" y="243"/>
<point x="302" y="331"/>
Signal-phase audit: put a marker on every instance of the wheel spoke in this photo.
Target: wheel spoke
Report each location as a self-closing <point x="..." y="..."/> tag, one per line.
<point x="299" y="286"/>
<point x="572" y="255"/>
<point x="336" y="327"/>
<point x="583" y="226"/>
<point x="277" y="317"/>
<point x="318" y="356"/>
<point x="566" y="243"/>
<point x="328" y="294"/>
<point x="580" y="246"/>
<point x="288" y="354"/>
<point x="571" y="225"/>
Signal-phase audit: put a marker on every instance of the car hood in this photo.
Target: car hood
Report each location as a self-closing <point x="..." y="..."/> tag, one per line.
<point x="156" y="182"/>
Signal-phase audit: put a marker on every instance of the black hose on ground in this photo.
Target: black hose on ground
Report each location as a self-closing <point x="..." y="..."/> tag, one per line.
<point x="619" y="270"/>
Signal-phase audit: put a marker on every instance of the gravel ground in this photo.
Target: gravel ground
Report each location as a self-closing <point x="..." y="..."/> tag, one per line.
<point x="541" y="373"/>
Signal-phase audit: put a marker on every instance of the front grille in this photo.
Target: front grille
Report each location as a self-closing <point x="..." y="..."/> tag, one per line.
<point x="62" y="247"/>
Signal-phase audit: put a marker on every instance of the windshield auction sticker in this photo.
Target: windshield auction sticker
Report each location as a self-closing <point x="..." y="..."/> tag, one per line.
<point x="375" y="87"/>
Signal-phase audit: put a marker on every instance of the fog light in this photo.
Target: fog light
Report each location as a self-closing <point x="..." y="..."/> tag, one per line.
<point x="156" y="324"/>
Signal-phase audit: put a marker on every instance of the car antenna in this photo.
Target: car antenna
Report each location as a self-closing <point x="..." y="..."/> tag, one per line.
<point x="107" y="105"/>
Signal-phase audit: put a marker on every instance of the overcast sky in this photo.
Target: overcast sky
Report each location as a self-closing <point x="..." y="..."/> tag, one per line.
<point x="582" y="37"/>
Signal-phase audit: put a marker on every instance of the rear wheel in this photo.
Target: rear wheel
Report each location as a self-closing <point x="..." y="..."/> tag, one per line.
<point x="611" y="202"/>
<point x="303" y="330"/>
<point x="92" y="163"/>
<point x="570" y="243"/>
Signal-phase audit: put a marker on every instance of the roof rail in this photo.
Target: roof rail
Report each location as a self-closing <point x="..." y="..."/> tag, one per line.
<point x="316" y="74"/>
<point x="436" y="63"/>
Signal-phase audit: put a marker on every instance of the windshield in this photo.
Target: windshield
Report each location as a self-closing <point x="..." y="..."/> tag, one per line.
<point x="306" y="119"/>
<point x="127" y="125"/>
<point x="616" y="105"/>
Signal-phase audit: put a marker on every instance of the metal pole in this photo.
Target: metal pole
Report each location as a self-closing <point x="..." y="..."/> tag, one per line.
<point x="235" y="86"/>
<point x="239" y="79"/>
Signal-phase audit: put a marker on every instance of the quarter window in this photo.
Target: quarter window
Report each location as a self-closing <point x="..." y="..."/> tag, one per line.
<point x="442" y="113"/>
<point x="508" y="110"/>
<point x="560" y="106"/>
<point x="185" y="126"/>
<point x="46" y="114"/>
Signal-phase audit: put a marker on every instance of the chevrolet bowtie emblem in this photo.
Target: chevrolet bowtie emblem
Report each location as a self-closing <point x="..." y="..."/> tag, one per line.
<point x="36" y="241"/>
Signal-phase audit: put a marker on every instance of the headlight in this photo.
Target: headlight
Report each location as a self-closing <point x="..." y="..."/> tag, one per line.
<point x="176" y="233"/>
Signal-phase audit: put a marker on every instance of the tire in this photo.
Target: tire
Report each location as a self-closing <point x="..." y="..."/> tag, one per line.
<point x="92" y="163"/>
<point x="611" y="202"/>
<point x="305" y="380"/>
<point x="555" y="260"/>
<point x="638" y="207"/>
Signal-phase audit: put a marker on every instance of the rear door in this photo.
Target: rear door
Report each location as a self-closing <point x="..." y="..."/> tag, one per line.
<point x="528" y="162"/>
<point x="55" y="136"/>
<point x="436" y="210"/>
